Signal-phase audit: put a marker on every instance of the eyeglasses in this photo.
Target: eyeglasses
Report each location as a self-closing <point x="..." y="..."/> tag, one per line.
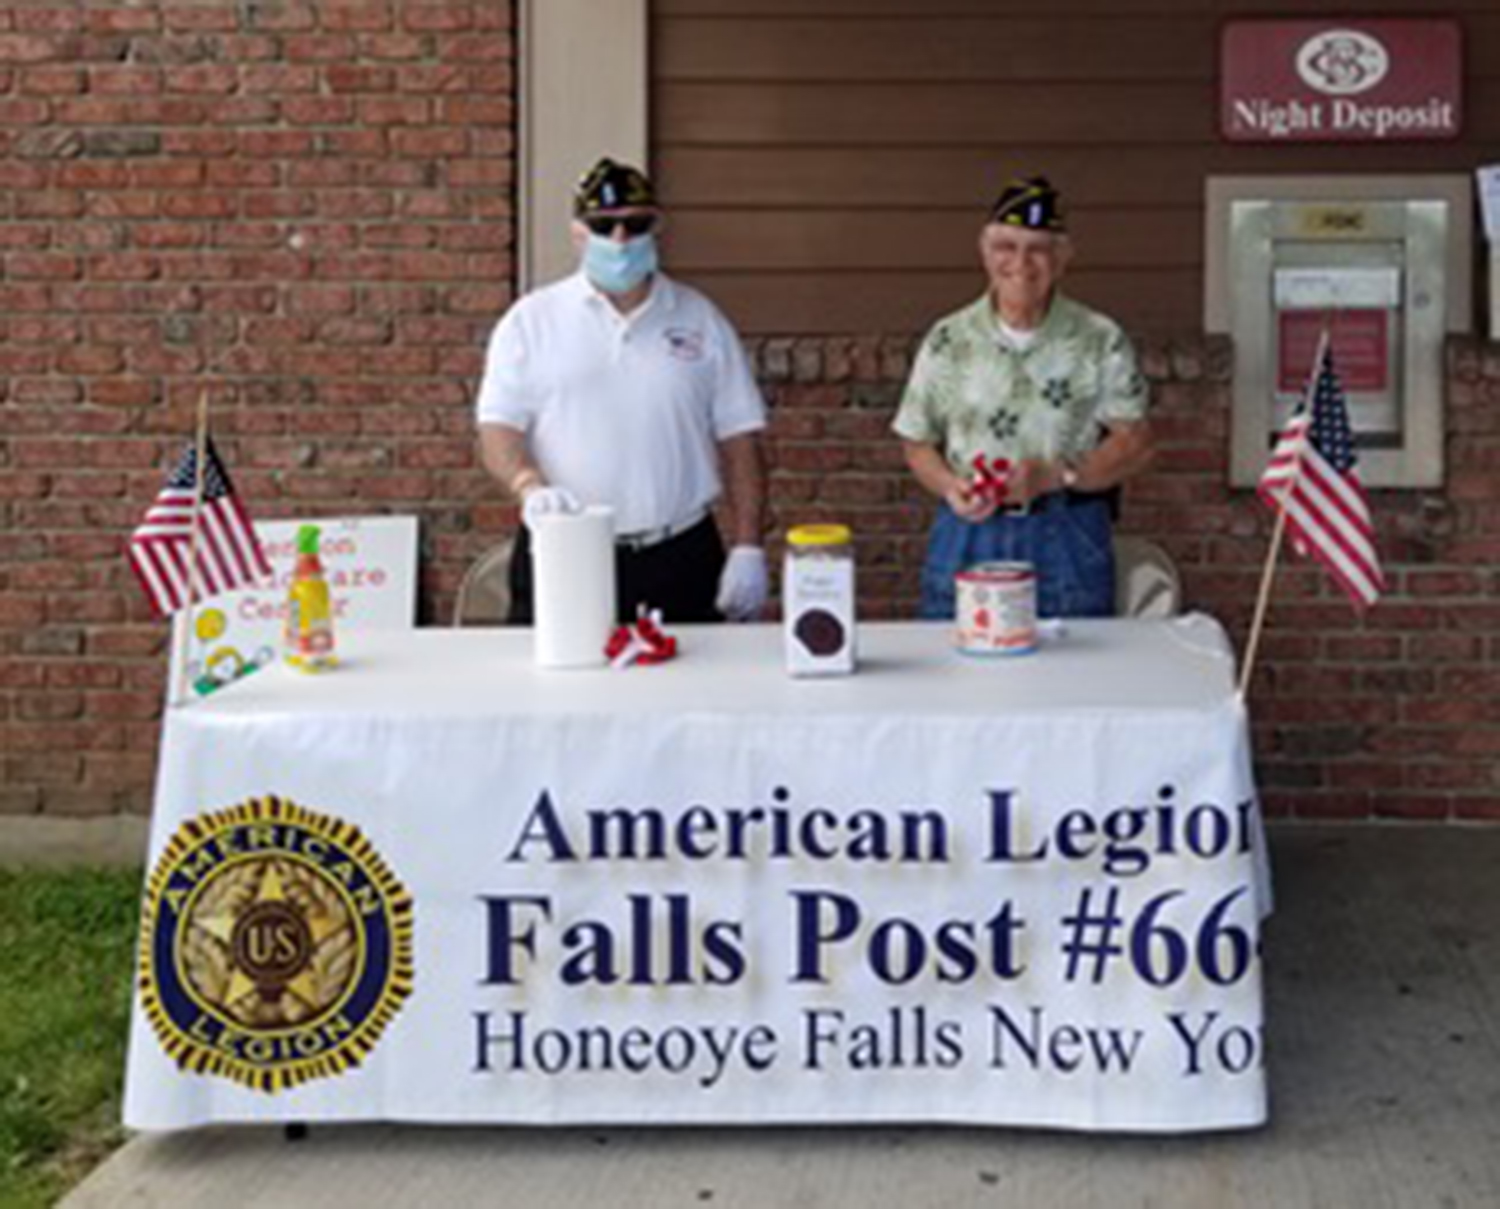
<point x="634" y="224"/>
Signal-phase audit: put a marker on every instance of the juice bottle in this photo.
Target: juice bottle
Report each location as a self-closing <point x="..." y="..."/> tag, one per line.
<point x="309" y="614"/>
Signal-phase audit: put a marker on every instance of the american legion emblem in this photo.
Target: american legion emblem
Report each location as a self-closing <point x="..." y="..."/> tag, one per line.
<point x="275" y="945"/>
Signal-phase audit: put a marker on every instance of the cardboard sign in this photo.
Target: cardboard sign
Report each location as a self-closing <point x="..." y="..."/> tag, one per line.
<point x="1340" y="81"/>
<point x="370" y="563"/>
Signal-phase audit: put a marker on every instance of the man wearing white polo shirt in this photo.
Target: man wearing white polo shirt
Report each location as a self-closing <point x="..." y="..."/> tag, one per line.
<point x="620" y="386"/>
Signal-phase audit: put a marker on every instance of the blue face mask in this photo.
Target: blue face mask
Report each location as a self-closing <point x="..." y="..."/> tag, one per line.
<point x="617" y="268"/>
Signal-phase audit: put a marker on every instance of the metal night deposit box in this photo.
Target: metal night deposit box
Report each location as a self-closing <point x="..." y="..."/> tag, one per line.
<point x="1384" y="265"/>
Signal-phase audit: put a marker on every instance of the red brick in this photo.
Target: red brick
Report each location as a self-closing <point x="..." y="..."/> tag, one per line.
<point x="42" y="576"/>
<point x="1326" y="805"/>
<point x="278" y="80"/>
<point x="79" y="803"/>
<point x="1448" y="712"/>
<point x="242" y="174"/>
<point x="80" y="674"/>
<point x="189" y="17"/>
<point x="202" y="77"/>
<point x="49" y="706"/>
<point x="406" y="485"/>
<point x="93" y="359"/>
<point x="436" y="78"/>
<point x="393" y="47"/>
<point x="28" y="48"/>
<point x="20" y="801"/>
<point x="60" y="737"/>
<point x="1361" y="775"/>
<point x="476" y="111"/>
<point x="446" y="17"/>
<point x="130" y="206"/>
<point x="275" y="144"/>
<point x="342" y="77"/>
<point x="318" y="486"/>
<point x="18" y="610"/>
<point x="118" y="705"/>
<point x="429" y="455"/>
<point x="52" y="81"/>
<point x="44" y="769"/>
<point x="1453" y="775"/>
<point x="44" y="266"/>
<point x="107" y="83"/>
<point x="119" y="770"/>
<point x="199" y="142"/>
<point x="487" y="48"/>
<point x="90" y="608"/>
<point x="284" y="15"/>
<point x="487" y="301"/>
<point x="393" y="110"/>
<point x="1413" y="806"/>
<point x="1482" y="808"/>
<point x="128" y="643"/>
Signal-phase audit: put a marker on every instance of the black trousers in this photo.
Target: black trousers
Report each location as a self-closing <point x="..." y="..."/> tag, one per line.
<point x="679" y="576"/>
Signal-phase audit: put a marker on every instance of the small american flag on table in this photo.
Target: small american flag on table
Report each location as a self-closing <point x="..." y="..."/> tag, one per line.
<point x="229" y="554"/>
<point x="1314" y="475"/>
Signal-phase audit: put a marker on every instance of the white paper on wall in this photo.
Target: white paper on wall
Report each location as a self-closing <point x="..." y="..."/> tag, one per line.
<point x="1488" y="179"/>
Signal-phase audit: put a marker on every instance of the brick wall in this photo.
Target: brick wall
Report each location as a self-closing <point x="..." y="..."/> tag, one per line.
<point x="306" y="210"/>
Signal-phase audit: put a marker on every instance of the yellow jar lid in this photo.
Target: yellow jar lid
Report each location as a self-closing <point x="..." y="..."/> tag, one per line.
<point x="818" y="535"/>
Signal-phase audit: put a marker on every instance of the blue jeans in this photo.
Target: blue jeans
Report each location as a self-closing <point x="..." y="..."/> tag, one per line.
<point x="1067" y="542"/>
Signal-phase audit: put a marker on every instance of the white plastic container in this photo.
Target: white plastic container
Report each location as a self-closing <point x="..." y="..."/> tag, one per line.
<point x="573" y="568"/>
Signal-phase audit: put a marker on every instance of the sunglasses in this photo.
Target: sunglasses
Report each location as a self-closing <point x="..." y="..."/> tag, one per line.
<point x="634" y="224"/>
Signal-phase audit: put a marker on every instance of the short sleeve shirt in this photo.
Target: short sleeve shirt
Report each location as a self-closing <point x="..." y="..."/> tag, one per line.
<point x="973" y="392"/>
<point x="623" y="410"/>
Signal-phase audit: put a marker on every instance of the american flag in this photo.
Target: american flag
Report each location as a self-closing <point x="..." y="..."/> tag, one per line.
<point x="1313" y="472"/>
<point x="229" y="553"/>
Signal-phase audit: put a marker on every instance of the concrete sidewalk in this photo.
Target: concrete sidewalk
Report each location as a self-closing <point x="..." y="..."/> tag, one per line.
<point x="1383" y="963"/>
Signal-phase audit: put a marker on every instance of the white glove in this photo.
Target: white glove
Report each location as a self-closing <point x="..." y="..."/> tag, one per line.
<point x="548" y="501"/>
<point x="744" y="585"/>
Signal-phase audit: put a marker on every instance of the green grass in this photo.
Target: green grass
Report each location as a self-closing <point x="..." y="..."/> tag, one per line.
<point x="67" y="942"/>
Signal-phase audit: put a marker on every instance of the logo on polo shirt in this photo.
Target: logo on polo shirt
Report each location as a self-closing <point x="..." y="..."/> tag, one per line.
<point x="275" y="945"/>
<point x="685" y="343"/>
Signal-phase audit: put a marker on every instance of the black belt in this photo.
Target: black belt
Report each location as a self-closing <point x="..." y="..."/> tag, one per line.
<point x="1067" y="499"/>
<point x="647" y="538"/>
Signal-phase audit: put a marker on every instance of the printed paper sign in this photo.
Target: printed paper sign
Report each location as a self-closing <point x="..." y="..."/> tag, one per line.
<point x="370" y="563"/>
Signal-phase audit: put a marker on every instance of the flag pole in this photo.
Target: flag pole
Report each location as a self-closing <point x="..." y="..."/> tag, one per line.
<point x="1268" y="572"/>
<point x="184" y="639"/>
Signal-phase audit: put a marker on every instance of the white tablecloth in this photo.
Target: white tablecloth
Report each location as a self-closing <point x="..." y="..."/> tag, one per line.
<point x="440" y="884"/>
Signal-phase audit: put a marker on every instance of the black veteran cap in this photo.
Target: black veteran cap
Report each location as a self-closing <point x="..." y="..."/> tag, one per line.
<point x="611" y="186"/>
<point x="1031" y="203"/>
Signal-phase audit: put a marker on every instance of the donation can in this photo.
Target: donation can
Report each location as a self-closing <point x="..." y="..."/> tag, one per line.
<point x="817" y="589"/>
<point x="995" y="610"/>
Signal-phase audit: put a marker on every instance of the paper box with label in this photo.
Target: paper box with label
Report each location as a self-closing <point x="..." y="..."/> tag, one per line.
<point x="818" y="600"/>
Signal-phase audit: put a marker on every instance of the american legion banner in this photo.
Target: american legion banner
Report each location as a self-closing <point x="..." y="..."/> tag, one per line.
<point x="444" y="885"/>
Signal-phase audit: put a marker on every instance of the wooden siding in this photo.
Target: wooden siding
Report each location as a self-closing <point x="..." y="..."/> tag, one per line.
<point x="827" y="162"/>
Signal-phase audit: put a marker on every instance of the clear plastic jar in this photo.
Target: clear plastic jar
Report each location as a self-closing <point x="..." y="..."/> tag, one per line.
<point x="817" y="591"/>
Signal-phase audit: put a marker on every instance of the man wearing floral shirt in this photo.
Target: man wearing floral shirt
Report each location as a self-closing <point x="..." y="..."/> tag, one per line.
<point x="1030" y="377"/>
